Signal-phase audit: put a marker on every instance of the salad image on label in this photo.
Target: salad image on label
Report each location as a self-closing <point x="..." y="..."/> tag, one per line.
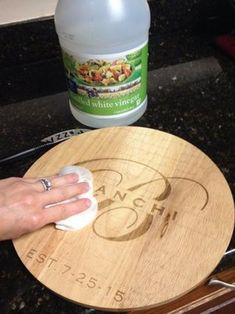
<point x="103" y="72"/>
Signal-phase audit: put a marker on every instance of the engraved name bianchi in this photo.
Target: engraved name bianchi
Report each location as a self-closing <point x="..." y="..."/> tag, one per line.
<point x="132" y="195"/>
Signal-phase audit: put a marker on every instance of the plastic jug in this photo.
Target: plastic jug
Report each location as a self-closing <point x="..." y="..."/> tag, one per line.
<point x="105" y="52"/>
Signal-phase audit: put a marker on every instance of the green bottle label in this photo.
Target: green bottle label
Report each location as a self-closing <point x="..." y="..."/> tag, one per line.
<point x="107" y="84"/>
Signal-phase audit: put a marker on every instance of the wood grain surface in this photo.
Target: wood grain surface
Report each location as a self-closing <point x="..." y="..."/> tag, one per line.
<point x="165" y="219"/>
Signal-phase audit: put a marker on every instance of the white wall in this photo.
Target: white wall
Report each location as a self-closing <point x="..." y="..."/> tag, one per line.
<point x="14" y="11"/>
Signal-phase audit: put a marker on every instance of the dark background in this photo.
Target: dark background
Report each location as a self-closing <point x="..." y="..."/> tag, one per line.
<point x="200" y="112"/>
<point x="181" y="30"/>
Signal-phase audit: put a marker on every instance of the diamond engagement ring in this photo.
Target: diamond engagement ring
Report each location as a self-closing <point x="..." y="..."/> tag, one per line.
<point x="47" y="185"/>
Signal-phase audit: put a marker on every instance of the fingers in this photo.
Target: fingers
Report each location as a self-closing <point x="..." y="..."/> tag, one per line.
<point x="51" y="206"/>
<point x="56" y="181"/>
<point x="62" y="211"/>
<point x="63" y="193"/>
<point x="33" y="194"/>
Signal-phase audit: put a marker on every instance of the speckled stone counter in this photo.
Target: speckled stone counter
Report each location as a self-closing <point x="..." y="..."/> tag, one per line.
<point x="201" y="112"/>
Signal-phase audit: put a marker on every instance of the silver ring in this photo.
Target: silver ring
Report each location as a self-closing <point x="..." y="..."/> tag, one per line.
<point x="47" y="185"/>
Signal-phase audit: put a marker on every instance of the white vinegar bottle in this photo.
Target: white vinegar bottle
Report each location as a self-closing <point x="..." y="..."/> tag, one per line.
<point x="105" y="52"/>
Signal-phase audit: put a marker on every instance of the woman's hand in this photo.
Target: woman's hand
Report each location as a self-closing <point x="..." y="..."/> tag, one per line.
<point x="23" y="203"/>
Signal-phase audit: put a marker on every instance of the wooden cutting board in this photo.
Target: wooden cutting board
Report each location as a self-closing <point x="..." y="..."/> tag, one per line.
<point x="165" y="219"/>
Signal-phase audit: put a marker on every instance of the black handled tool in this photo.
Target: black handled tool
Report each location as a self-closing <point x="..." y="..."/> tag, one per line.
<point x="49" y="141"/>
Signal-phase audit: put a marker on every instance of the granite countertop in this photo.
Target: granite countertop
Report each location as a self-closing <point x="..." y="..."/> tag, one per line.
<point x="33" y="105"/>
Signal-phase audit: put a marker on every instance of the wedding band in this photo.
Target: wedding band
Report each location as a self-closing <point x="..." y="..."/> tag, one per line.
<point x="47" y="185"/>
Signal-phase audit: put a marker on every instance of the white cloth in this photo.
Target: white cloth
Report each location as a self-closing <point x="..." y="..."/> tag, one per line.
<point x="79" y="221"/>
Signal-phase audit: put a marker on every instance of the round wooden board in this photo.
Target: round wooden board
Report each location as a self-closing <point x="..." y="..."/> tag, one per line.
<point x="165" y="219"/>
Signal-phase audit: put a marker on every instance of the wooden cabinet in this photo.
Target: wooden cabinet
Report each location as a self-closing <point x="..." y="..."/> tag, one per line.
<point x="204" y="299"/>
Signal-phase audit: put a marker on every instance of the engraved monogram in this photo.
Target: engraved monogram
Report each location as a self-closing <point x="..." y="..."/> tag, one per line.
<point x="128" y="210"/>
